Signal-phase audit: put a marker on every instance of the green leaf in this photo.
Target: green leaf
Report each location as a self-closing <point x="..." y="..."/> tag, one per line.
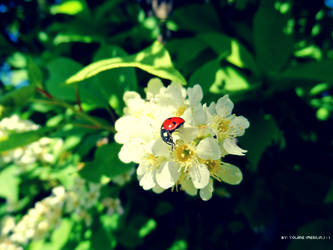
<point x="149" y="226"/>
<point x="70" y="7"/>
<point x="154" y="59"/>
<point x="250" y="205"/>
<point x="273" y="46"/>
<point x="205" y="75"/>
<point x="113" y="83"/>
<point x="35" y="75"/>
<point x="101" y="237"/>
<point x="318" y="71"/>
<point x="185" y="50"/>
<point x="230" y="49"/>
<point x="15" y="140"/>
<point x="229" y="80"/>
<point x="315" y="228"/>
<point x="106" y="163"/>
<point x="262" y="133"/>
<point x="219" y="42"/>
<point x="58" y="239"/>
<point x="9" y="183"/>
<point x="60" y="69"/>
<point x="241" y="57"/>
<point x="211" y="76"/>
<point x="187" y="18"/>
<point x="15" y="99"/>
<point x="329" y="195"/>
<point x="179" y="245"/>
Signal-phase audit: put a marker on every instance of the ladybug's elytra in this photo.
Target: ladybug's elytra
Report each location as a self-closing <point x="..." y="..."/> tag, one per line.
<point x="168" y="127"/>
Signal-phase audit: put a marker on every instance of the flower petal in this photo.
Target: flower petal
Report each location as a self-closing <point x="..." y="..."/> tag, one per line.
<point x="157" y="189"/>
<point x="186" y="134"/>
<point x="147" y="181"/>
<point x="207" y="192"/>
<point x="199" y="175"/>
<point x="224" y="106"/>
<point x="188" y="187"/>
<point x="229" y="173"/>
<point x="154" y="86"/>
<point x="199" y="114"/>
<point x="195" y="94"/>
<point x="160" y="148"/>
<point x="208" y="149"/>
<point x="232" y="148"/>
<point x="131" y="152"/>
<point x="212" y="108"/>
<point x="174" y="93"/>
<point x="167" y="175"/>
<point x="238" y="125"/>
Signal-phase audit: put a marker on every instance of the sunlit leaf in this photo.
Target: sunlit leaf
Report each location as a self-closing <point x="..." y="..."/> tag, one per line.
<point x="67" y="38"/>
<point x="147" y="228"/>
<point x="58" y="239"/>
<point x="154" y="59"/>
<point x="219" y="80"/>
<point x="178" y="245"/>
<point x="241" y="57"/>
<point x="17" y="60"/>
<point x="310" y="51"/>
<point x="9" y="183"/>
<point x="71" y="7"/>
<point x="228" y="80"/>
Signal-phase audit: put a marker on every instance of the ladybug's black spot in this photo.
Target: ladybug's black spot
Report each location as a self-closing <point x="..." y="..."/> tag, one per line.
<point x="215" y="137"/>
<point x="174" y="123"/>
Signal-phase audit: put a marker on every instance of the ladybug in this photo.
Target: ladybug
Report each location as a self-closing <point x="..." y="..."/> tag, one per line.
<point x="168" y="127"/>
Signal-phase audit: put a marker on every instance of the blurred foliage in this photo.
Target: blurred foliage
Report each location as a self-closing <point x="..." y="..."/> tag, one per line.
<point x="66" y="64"/>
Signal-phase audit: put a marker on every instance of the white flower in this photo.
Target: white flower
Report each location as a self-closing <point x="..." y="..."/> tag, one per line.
<point x="113" y="206"/>
<point x="227" y="126"/>
<point x="7" y="225"/>
<point x="194" y="160"/>
<point x="42" y="150"/>
<point x="39" y="220"/>
<point x="124" y="178"/>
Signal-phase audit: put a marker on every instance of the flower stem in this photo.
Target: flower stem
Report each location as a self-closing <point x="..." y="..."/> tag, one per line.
<point x="80" y="114"/>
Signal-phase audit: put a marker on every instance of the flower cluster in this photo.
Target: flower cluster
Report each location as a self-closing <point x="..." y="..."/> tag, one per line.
<point x="47" y="213"/>
<point x="208" y="134"/>
<point x="42" y="150"/>
<point x="39" y="220"/>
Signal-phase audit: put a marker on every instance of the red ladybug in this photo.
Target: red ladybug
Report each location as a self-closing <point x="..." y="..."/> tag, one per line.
<point x="168" y="127"/>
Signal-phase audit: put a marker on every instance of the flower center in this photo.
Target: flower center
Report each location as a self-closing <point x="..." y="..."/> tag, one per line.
<point x="183" y="153"/>
<point x="222" y="127"/>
